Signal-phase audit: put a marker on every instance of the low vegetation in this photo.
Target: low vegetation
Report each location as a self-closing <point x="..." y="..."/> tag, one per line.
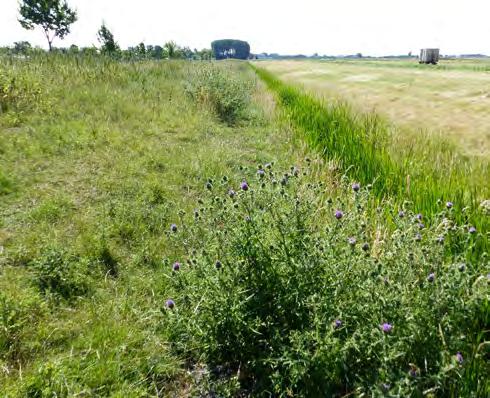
<point x="165" y="232"/>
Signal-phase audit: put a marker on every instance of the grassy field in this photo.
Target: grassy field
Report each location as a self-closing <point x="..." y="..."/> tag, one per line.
<point x="449" y="100"/>
<point x="165" y="230"/>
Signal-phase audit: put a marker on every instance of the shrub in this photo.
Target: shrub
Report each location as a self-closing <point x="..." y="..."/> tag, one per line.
<point x="301" y="296"/>
<point x="221" y="90"/>
<point x="62" y="274"/>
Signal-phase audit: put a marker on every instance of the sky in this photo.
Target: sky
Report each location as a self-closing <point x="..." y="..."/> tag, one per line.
<point x="332" y="27"/>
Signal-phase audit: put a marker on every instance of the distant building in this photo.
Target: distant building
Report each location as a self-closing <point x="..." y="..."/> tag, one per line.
<point x="429" y="56"/>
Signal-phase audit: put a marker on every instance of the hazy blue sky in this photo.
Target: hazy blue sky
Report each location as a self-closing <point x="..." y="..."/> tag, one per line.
<point x="287" y="26"/>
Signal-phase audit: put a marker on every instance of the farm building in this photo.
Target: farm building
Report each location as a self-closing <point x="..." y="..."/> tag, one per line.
<point x="429" y="56"/>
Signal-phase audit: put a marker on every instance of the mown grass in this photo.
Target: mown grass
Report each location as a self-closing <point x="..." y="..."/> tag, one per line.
<point x="423" y="175"/>
<point x="106" y="156"/>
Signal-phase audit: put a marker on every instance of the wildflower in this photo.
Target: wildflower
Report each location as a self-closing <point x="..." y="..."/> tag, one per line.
<point x="352" y="241"/>
<point x="440" y="239"/>
<point x="339" y="214"/>
<point x="462" y="267"/>
<point x="173" y="227"/>
<point x="401" y="214"/>
<point x="337" y="323"/>
<point x="472" y="230"/>
<point x="231" y="193"/>
<point x="421" y="225"/>
<point x="261" y="173"/>
<point x="176" y="266"/>
<point x="365" y="246"/>
<point x="386" y="386"/>
<point x="356" y="187"/>
<point x="387" y="327"/>
<point x="217" y="264"/>
<point x="449" y="205"/>
<point x="431" y="277"/>
<point x="170" y="304"/>
<point x="418" y="237"/>
<point x="413" y="372"/>
<point x="459" y="357"/>
<point x="419" y="217"/>
<point x="244" y="186"/>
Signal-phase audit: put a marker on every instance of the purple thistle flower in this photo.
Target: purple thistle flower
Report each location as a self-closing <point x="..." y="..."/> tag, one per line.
<point x="431" y="277"/>
<point x="337" y="323"/>
<point x="261" y="173"/>
<point x="419" y="216"/>
<point x="449" y="205"/>
<point x="339" y="214"/>
<point x="231" y="193"/>
<point x="459" y="357"/>
<point x="176" y="266"/>
<point x="387" y="327"/>
<point x="173" y="227"/>
<point x="244" y="186"/>
<point x="401" y="214"/>
<point x="472" y="230"/>
<point x="352" y="241"/>
<point x="356" y="187"/>
<point x="170" y="303"/>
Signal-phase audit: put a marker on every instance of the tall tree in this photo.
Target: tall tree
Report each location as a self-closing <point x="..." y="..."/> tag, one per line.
<point x="229" y="48"/>
<point x="53" y="16"/>
<point x="106" y="38"/>
<point x="172" y="50"/>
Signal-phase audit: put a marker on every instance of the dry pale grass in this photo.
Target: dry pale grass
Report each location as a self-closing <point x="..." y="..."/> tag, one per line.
<point x="452" y="103"/>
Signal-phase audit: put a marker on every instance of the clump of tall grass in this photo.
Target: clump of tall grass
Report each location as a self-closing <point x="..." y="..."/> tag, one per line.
<point x="19" y="91"/>
<point x="221" y="90"/>
<point x="295" y="295"/>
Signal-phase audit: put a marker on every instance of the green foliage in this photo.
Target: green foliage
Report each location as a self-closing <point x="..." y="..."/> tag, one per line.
<point x="228" y="48"/>
<point x="18" y="312"/>
<point x="53" y="16"/>
<point x="106" y="38"/>
<point x="20" y="92"/>
<point x="220" y="90"/>
<point x="276" y="288"/>
<point x="62" y="274"/>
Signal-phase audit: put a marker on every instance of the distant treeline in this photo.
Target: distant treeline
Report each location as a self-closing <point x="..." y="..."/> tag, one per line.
<point x="169" y="50"/>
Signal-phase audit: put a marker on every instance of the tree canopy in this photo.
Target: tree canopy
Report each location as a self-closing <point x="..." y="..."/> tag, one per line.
<point x="53" y="16"/>
<point x="106" y="38"/>
<point x="230" y="48"/>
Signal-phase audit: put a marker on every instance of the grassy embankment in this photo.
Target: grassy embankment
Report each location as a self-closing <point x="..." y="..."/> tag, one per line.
<point x="282" y="286"/>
